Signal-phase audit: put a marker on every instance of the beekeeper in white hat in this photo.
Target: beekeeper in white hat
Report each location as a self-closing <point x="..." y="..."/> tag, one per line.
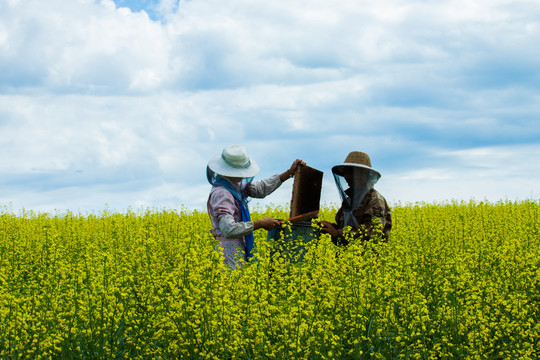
<point x="231" y="173"/>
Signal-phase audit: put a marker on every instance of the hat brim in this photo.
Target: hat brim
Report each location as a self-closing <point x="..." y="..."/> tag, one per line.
<point x="219" y="166"/>
<point x="339" y="169"/>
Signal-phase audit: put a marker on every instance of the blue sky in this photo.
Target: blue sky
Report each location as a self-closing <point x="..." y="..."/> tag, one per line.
<point x="121" y="104"/>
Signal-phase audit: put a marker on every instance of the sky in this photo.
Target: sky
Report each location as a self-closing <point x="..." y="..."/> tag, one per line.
<point x="121" y="104"/>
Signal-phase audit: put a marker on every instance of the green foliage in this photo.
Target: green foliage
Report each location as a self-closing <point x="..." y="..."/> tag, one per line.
<point x="456" y="280"/>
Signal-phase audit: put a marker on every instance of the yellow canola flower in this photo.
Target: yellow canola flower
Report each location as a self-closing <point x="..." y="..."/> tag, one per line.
<point x="456" y="280"/>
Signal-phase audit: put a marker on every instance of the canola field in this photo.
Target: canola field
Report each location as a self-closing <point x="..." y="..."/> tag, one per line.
<point x="457" y="280"/>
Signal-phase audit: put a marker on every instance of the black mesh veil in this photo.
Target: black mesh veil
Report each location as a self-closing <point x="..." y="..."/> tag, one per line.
<point x="353" y="183"/>
<point x="238" y="188"/>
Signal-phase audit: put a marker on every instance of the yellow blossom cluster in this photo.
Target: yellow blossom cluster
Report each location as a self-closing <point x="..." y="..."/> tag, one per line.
<point x="456" y="280"/>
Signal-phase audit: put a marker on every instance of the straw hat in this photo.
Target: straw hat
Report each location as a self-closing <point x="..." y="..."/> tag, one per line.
<point x="355" y="159"/>
<point x="234" y="162"/>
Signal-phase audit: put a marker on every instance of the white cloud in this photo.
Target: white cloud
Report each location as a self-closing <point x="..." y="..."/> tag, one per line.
<point x="82" y="46"/>
<point x="100" y="104"/>
<point x="486" y="173"/>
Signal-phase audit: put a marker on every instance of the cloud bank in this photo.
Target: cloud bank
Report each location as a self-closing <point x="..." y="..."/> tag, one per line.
<point x="124" y="103"/>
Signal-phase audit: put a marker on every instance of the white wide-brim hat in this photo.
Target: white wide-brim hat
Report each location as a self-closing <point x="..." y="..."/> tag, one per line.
<point x="234" y="161"/>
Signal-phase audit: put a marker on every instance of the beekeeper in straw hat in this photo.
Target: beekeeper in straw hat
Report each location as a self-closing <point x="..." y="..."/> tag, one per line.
<point x="361" y="203"/>
<point x="231" y="174"/>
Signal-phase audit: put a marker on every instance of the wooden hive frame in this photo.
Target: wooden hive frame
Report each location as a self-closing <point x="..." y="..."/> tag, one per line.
<point x="306" y="193"/>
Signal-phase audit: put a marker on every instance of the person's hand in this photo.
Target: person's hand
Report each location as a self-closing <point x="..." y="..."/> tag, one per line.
<point x="294" y="166"/>
<point x="290" y="172"/>
<point x="329" y="228"/>
<point x="266" y="223"/>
